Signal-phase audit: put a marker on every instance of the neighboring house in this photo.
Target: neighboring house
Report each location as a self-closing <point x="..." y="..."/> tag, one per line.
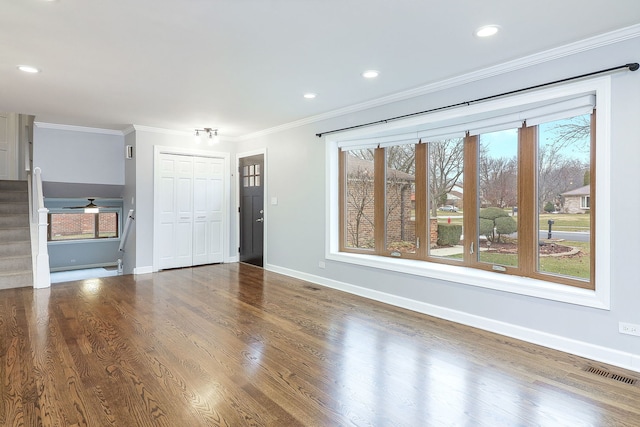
<point x="577" y="201"/>
<point x="454" y="196"/>
<point x="400" y="201"/>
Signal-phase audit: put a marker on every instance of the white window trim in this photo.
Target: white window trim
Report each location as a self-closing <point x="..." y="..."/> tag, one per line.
<point x="599" y="298"/>
<point x="583" y="204"/>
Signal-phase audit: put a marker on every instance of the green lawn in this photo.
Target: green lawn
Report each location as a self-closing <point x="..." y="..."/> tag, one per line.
<point x="566" y="222"/>
<point x="574" y="266"/>
<point x="562" y="222"/>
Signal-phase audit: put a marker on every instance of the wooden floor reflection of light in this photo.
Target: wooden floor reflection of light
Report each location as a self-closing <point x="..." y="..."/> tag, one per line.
<point x="234" y="345"/>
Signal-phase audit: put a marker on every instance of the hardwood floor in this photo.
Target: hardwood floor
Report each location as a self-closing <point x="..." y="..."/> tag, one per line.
<point x="233" y="345"/>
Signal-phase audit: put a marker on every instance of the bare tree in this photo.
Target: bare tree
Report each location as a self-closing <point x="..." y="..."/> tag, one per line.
<point x="560" y="167"/>
<point x="402" y="158"/>
<point x="573" y="130"/>
<point x="360" y="193"/>
<point x="399" y="186"/>
<point x="445" y="169"/>
<point x="498" y="180"/>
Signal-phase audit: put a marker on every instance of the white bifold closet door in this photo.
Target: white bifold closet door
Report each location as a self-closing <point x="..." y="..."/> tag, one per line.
<point x="190" y="210"/>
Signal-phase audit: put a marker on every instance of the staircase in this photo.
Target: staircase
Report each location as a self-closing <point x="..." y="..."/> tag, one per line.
<point x="15" y="241"/>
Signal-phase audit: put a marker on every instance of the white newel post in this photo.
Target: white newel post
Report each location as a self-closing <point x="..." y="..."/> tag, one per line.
<point x="43" y="278"/>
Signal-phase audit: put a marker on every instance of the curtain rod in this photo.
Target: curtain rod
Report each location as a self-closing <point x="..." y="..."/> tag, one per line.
<point x="633" y="66"/>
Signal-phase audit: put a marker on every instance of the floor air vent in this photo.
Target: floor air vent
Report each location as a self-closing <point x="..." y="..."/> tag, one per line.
<point x="608" y="374"/>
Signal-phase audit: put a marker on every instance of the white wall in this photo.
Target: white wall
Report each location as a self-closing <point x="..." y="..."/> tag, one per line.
<point x="79" y="155"/>
<point x="296" y="226"/>
<point x="129" y="202"/>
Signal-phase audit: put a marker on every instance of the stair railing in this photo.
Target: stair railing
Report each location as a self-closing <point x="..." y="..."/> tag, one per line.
<point x="39" y="218"/>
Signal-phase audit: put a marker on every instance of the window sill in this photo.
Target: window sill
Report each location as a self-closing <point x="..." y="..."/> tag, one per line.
<point x="67" y="242"/>
<point x="484" y="279"/>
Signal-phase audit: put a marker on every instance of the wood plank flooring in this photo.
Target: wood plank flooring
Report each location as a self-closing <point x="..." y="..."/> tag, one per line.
<point x="233" y="345"/>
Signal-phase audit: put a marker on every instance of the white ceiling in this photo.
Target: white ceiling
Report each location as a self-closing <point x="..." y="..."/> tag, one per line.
<point x="243" y="65"/>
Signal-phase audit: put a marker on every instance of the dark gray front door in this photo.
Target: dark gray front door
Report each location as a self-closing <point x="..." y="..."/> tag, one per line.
<point x="251" y="184"/>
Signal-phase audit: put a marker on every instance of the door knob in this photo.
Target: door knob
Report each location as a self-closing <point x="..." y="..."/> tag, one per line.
<point x="260" y="220"/>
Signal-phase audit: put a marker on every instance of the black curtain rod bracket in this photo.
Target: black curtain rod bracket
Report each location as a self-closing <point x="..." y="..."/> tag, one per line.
<point x="632" y="66"/>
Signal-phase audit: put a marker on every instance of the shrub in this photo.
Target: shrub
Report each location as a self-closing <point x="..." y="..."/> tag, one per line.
<point x="486" y="227"/>
<point x="449" y="234"/>
<point x="549" y="207"/>
<point x="505" y="225"/>
<point x="496" y="220"/>
<point x="492" y="213"/>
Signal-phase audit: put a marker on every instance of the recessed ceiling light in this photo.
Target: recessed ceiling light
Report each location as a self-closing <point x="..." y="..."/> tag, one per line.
<point x="309" y="95"/>
<point x="28" y="69"/>
<point x="370" y="74"/>
<point x="487" y="30"/>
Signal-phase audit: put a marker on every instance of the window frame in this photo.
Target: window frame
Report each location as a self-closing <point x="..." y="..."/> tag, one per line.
<point x="536" y="285"/>
<point x="94" y="239"/>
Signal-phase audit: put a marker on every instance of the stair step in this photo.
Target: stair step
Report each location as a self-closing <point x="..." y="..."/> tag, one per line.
<point x="12" y="249"/>
<point x="15" y="240"/>
<point x="15" y="263"/>
<point x="14" y="220"/>
<point x="15" y="234"/>
<point x="10" y="185"/>
<point x="16" y="279"/>
<point x="14" y="207"/>
<point x="13" y="196"/>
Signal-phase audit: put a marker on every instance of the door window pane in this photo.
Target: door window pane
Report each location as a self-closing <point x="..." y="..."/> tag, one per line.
<point x="359" y="194"/>
<point x="498" y="198"/>
<point x="251" y="176"/>
<point x="564" y="197"/>
<point x="400" y="223"/>
<point x="445" y="185"/>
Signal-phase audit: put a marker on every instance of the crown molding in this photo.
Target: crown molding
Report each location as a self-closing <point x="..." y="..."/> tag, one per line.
<point x="164" y="131"/>
<point x="129" y="129"/>
<point x="56" y="126"/>
<point x="584" y="45"/>
<point x="158" y="130"/>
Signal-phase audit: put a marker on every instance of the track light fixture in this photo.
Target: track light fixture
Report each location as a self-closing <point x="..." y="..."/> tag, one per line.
<point x="212" y="133"/>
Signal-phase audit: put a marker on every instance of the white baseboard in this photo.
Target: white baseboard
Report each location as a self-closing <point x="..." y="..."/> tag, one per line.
<point x="143" y="270"/>
<point x="598" y="353"/>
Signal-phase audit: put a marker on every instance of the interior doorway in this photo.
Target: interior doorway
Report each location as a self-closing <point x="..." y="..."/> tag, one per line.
<point x="251" y="174"/>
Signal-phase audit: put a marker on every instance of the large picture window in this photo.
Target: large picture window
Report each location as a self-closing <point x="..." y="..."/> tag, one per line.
<point x="509" y="191"/>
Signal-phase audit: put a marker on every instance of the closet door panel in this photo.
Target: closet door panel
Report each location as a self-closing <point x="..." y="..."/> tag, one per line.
<point x="215" y="207"/>
<point x="168" y="218"/>
<point x="184" y="208"/>
<point x="200" y="224"/>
